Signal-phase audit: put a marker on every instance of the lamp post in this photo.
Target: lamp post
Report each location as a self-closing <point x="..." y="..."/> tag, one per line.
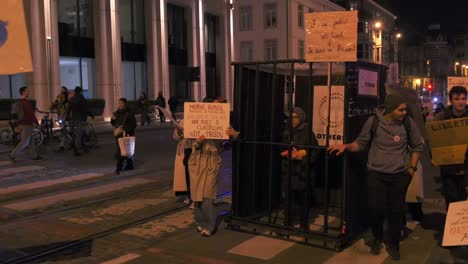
<point x="456" y="68"/>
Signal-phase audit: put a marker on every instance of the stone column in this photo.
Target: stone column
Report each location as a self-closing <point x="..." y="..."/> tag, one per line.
<point x="157" y="49"/>
<point x="39" y="86"/>
<point x="55" y="52"/>
<point x="227" y="71"/>
<point x="198" y="48"/>
<point x="108" y="53"/>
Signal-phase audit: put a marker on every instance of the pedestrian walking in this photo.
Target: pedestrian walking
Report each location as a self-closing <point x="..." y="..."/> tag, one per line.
<point x="24" y="119"/>
<point x="60" y="103"/>
<point x="144" y="108"/>
<point x="77" y="114"/>
<point x="125" y="123"/>
<point x="173" y="106"/>
<point x="161" y="102"/>
<point x="394" y="153"/>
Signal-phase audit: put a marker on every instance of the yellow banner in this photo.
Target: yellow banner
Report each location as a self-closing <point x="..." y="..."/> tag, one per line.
<point x="331" y="36"/>
<point x="15" y="54"/>
<point x="449" y="140"/>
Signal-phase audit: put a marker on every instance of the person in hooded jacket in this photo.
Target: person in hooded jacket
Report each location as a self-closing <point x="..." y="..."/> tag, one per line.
<point x="392" y="161"/>
<point x="122" y="117"/>
<point x="300" y="182"/>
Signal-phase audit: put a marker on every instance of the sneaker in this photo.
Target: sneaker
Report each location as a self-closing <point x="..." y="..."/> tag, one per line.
<point x="205" y="233"/>
<point x="187" y="201"/>
<point x="192" y="206"/>
<point x="199" y="229"/>
<point x="375" y="247"/>
<point x="393" y="252"/>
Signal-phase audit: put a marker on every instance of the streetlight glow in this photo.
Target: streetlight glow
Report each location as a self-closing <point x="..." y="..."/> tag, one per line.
<point x="377" y="24"/>
<point x="457" y="63"/>
<point x="398" y="35"/>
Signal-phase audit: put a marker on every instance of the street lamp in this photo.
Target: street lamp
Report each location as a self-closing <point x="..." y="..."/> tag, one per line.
<point x="456" y="68"/>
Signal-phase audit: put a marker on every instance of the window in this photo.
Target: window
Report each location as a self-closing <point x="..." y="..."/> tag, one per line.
<point x="300" y="49"/>
<point x="300" y="16"/>
<point x="270" y="15"/>
<point x="246" y="50"/>
<point x="245" y="18"/>
<point x="270" y="49"/>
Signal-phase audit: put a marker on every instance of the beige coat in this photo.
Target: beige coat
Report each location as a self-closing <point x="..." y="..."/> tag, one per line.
<point x="180" y="184"/>
<point x="204" y="166"/>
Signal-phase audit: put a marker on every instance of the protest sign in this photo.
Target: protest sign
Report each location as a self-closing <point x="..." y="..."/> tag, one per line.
<point x="320" y="112"/>
<point x="448" y="140"/>
<point x="456" y="225"/>
<point x="331" y="36"/>
<point x="206" y="119"/>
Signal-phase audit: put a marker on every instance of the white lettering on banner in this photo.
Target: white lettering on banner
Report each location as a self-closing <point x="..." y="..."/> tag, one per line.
<point x="320" y="113"/>
<point x="355" y="109"/>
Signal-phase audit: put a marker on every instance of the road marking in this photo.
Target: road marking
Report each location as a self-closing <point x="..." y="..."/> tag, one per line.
<point x="10" y="171"/>
<point x="48" y="183"/>
<point x="261" y="247"/>
<point x="79" y="194"/>
<point x="122" y="259"/>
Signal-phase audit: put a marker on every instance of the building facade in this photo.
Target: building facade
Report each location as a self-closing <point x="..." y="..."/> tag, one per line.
<point x="121" y="48"/>
<point x="273" y="30"/>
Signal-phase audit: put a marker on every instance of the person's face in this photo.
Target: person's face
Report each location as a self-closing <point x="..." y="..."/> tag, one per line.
<point x="400" y="112"/>
<point x="121" y="105"/>
<point x="25" y="93"/>
<point x="458" y="101"/>
<point x="296" y="121"/>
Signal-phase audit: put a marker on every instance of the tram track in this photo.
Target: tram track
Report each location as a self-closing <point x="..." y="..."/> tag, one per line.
<point x="42" y="255"/>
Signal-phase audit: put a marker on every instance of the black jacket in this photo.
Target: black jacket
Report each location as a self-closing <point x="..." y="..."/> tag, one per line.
<point x="126" y="119"/>
<point x="77" y="109"/>
<point x="299" y="167"/>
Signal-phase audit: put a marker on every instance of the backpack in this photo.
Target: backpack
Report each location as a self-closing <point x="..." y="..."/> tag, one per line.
<point x="376" y="121"/>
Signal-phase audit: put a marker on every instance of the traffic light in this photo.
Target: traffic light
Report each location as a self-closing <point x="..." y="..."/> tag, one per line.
<point x="429" y="87"/>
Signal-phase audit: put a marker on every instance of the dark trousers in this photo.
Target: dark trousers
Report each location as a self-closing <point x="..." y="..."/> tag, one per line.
<point x="387" y="201"/>
<point x="453" y="188"/>
<point x="161" y="116"/>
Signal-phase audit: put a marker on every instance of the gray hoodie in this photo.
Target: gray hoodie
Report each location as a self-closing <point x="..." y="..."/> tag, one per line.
<point x="386" y="155"/>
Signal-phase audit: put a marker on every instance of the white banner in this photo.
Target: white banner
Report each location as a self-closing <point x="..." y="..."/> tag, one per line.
<point x="320" y="113"/>
<point x="456" y="81"/>
<point x="456" y="225"/>
<point x="367" y="82"/>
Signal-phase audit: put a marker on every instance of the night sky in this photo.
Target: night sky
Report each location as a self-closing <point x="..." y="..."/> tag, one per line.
<point x="413" y="16"/>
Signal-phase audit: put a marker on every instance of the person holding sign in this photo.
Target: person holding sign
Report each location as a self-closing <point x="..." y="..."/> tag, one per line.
<point x="454" y="179"/>
<point x="204" y="166"/>
<point x="392" y="160"/>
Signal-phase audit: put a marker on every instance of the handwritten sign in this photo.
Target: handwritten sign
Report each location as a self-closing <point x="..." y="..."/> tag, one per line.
<point x="367" y="82"/>
<point x="448" y="140"/>
<point x="456" y="225"/>
<point x="331" y="36"/>
<point x="456" y="81"/>
<point x="321" y="114"/>
<point x="206" y="119"/>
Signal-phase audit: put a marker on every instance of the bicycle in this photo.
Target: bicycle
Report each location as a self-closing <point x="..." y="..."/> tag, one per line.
<point x="46" y="126"/>
<point x="89" y="139"/>
<point x="10" y="136"/>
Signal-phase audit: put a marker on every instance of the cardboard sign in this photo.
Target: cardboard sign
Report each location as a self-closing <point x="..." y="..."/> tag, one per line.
<point x="331" y="36"/>
<point x="206" y="119"/>
<point x="456" y="225"/>
<point x="320" y="113"/>
<point x="448" y="140"/>
<point x="456" y="81"/>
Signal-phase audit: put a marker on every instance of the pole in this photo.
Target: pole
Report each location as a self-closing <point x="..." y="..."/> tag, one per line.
<point x="327" y="159"/>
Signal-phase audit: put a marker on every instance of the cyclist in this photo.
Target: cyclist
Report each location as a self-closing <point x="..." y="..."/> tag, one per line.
<point x="77" y="113"/>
